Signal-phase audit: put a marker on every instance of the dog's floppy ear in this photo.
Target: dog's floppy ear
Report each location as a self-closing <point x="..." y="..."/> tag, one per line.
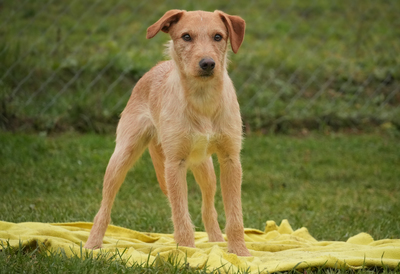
<point x="236" y="27"/>
<point x="164" y="23"/>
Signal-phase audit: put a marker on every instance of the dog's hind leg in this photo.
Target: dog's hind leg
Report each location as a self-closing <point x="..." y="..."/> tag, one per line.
<point x="158" y="158"/>
<point x="133" y="136"/>
<point x="205" y="177"/>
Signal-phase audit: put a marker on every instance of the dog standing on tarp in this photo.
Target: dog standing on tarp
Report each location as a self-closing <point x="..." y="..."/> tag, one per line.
<point x="184" y="110"/>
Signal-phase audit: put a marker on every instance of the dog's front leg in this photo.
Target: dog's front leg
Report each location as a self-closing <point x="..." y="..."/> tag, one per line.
<point x="231" y="180"/>
<point x="175" y="175"/>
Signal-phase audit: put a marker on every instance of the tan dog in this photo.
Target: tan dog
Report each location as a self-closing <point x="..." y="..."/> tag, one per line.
<point x="184" y="110"/>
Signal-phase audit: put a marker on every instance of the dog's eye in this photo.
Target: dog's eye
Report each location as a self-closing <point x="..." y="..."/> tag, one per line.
<point x="186" y="37"/>
<point x="217" y="37"/>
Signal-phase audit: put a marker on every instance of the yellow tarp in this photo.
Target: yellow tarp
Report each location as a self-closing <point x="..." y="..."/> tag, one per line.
<point x="278" y="248"/>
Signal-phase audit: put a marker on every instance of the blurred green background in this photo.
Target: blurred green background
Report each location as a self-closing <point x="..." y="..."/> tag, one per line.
<point x="304" y="65"/>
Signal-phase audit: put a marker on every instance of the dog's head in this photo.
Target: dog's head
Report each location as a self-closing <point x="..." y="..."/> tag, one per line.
<point x="200" y="39"/>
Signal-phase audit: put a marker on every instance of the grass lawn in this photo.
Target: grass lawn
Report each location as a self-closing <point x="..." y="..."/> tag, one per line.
<point x="335" y="185"/>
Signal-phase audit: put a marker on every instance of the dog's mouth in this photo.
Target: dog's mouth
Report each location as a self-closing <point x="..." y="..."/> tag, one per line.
<point x="206" y="75"/>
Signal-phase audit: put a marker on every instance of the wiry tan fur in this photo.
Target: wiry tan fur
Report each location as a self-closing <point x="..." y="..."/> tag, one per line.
<point x="183" y="114"/>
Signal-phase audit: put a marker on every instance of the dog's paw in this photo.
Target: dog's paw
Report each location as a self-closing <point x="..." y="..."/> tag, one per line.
<point x="239" y="250"/>
<point x="187" y="244"/>
<point x="90" y="245"/>
<point x="216" y="238"/>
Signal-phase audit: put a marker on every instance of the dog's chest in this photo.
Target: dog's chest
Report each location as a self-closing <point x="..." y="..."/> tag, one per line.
<point x="202" y="147"/>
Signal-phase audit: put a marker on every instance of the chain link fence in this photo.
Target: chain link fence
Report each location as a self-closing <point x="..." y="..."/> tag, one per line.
<point x="304" y="65"/>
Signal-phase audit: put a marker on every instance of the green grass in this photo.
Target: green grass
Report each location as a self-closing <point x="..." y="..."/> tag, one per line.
<point x="303" y="64"/>
<point x="335" y="185"/>
<point x="33" y="261"/>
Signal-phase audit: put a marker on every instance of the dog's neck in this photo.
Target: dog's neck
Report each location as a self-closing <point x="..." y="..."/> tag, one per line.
<point x="204" y="97"/>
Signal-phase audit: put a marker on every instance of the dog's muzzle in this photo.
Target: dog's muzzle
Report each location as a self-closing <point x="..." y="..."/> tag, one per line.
<point x="207" y="66"/>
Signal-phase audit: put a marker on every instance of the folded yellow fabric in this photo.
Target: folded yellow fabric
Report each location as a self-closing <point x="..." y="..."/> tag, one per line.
<point x="278" y="248"/>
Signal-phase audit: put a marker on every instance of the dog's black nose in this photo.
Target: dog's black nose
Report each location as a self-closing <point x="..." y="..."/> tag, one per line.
<point x="207" y="64"/>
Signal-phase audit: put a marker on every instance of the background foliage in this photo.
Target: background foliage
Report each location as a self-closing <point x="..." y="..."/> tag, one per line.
<point x="304" y="64"/>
